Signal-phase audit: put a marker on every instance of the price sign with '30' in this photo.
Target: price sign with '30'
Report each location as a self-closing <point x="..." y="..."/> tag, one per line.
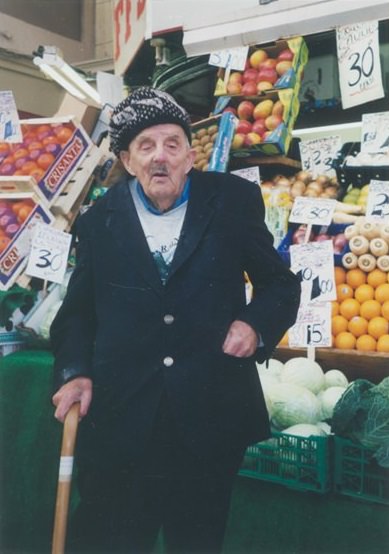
<point x="49" y="254"/>
<point x="359" y="63"/>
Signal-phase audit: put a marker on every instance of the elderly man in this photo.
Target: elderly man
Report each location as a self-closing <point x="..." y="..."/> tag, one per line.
<point x="155" y="338"/>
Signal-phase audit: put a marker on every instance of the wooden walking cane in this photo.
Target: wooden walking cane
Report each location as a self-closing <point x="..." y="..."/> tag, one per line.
<point x="65" y="479"/>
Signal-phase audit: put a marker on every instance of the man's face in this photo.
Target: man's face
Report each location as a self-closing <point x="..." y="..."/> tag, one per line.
<point x="160" y="158"/>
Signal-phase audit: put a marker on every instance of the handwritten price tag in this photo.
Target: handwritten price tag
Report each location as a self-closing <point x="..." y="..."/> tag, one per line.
<point x="249" y="173"/>
<point x="312" y="211"/>
<point x="10" y="130"/>
<point x="49" y="254"/>
<point x="232" y="58"/>
<point x="312" y="327"/>
<point x="313" y="262"/>
<point x="375" y="133"/>
<point x="359" y="63"/>
<point x="378" y="201"/>
<point x="317" y="155"/>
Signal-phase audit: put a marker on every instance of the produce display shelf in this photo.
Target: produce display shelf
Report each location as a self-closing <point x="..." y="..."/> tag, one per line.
<point x="373" y="366"/>
<point x="296" y="462"/>
<point x="357" y="474"/>
<point x="268" y="160"/>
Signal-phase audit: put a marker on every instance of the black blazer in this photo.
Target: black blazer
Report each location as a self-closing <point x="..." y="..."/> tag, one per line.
<point x="134" y="336"/>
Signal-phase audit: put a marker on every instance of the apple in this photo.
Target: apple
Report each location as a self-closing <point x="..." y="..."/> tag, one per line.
<point x="269" y="63"/>
<point x="235" y="77"/>
<point x="321" y="237"/>
<point x="339" y="242"/>
<point x="278" y="108"/>
<point x="250" y="74"/>
<point x="234" y="88"/>
<point x="272" y="122"/>
<point x="268" y="74"/>
<point x="286" y="54"/>
<point x="237" y="141"/>
<point x="259" y="126"/>
<point x="263" y="109"/>
<point x="298" y="237"/>
<point x="257" y="57"/>
<point x="251" y="139"/>
<point x="283" y="66"/>
<point x="230" y="109"/>
<point x="264" y="85"/>
<point x="249" y="89"/>
<point x="244" y="127"/>
<point x="245" y="109"/>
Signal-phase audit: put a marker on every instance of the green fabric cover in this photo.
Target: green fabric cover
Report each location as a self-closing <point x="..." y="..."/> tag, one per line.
<point x="14" y="298"/>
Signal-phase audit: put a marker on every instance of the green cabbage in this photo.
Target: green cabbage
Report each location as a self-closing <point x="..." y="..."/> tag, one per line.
<point x="291" y="404"/>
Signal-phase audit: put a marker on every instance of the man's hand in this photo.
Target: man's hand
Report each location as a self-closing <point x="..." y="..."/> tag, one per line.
<point x="77" y="390"/>
<point x="241" y="340"/>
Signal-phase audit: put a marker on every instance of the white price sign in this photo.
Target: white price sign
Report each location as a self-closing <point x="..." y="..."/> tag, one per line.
<point x="317" y="155"/>
<point x="375" y="133"/>
<point x="249" y="173"/>
<point x="378" y="201"/>
<point x="49" y="254"/>
<point x="312" y="211"/>
<point x="313" y="262"/>
<point x="359" y="63"/>
<point x="232" y="58"/>
<point x="312" y="327"/>
<point x="10" y="130"/>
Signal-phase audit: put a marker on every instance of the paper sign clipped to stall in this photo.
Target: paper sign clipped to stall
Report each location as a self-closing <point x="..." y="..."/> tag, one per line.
<point x="312" y="211"/>
<point x="230" y="58"/>
<point x="10" y="130"/>
<point x="378" y="201"/>
<point x="375" y="133"/>
<point x="249" y="173"/>
<point x="312" y="327"/>
<point x="49" y="254"/>
<point x="317" y="155"/>
<point x="359" y="63"/>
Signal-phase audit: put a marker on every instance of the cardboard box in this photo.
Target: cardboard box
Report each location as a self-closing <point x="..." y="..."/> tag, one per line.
<point x="71" y="107"/>
<point x="290" y="79"/>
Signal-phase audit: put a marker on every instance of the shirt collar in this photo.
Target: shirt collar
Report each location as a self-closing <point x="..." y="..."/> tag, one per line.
<point x="151" y="208"/>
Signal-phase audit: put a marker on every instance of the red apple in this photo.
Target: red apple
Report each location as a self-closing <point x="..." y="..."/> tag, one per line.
<point x="244" y="127"/>
<point x="286" y="54"/>
<point x="283" y="66"/>
<point x="268" y="74"/>
<point x="250" y="74"/>
<point x="251" y="139"/>
<point x="230" y="109"/>
<point x="269" y="62"/>
<point x="249" y="89"/>
<point x="234" y="88"/>
<point x="339" y="242"/>
<point x="235" y="77"/>
<point x="237" y="141"/>
<point x="272" y="122"/>
<point x="257" y="57"/>
<point x="321" y="237"/>
<point x="259" y="126"/>
<point x="245" y="109"/>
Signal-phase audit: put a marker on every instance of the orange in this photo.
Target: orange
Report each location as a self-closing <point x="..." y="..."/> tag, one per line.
<point x="334" y="308"/>
<point x="366" y="343"/>
<point x="370" y="309"/>
<point x="345" y="341"/>
<point x="343" y="291"/>
<point x="357" y="326"/>
<point x="285" y="340"/>
<point x="383" y="343"/>
<point x="382" y="293"/>
<point x="355" y="277"/>
<point x="340" y="275"/>
<point x="364" y="292"/>
<point x="378" y="326"/>
<point x="339" y="324"/>
<point x="350" y="307"/>
<point x="385" y="310"/>
<point x="376" y="277"/>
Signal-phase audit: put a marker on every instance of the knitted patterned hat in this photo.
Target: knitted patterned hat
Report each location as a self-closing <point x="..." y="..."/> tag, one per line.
<point x="144" y="108"/>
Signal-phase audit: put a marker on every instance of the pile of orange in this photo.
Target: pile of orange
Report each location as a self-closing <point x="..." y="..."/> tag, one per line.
<point x="360" y="314"/>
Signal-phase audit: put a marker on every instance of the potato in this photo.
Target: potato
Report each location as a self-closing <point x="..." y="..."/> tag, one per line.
<point x="208" y="146"/>
<point x="201" y="133"/>
<point x="205" y="139"/>
<point x="212" y="129"/>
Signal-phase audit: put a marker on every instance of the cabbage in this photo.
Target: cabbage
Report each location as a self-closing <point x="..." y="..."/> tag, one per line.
<point x="328" y="399"/>
<point x="323" y="425"/>
<point x="305" y="430"/>
<point x="267" y="380"/>
<point x="303" y="372"/>
<point x="291" y="404"/>
<point x="335" y="378"/>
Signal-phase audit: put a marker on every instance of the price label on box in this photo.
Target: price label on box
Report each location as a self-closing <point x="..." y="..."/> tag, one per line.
<point x="49" y="254"/>
<point x="230" y="58"/>
<point x="312" y="211"/>
<point x="313" y="262"/>
<point x="317" y="155"/>
<point x="375" y="133"/>
<point x="378" y="201"/>
<point x="249" y="173"/>
<point x="312" y="327"/>
<point x="359" y="63"/>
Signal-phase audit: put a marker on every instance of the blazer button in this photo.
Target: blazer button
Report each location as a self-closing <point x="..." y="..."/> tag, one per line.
<point x="168" y="361"/>
<point x="168" y="319"/>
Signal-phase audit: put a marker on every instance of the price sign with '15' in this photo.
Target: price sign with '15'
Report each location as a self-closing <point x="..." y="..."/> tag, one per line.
<point x="312" y="327"/>
<point x="359" y="63"/>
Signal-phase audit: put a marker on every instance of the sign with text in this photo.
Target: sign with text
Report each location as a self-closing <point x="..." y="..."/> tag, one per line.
<point x="312" y="327"/>
<point x="378" y="201"/>
<point x="10" y="130"/>
<point x="359" y="63"/>
<point x="49" y="254"/>
<point x="313" y="262"/>
<point x="231" y="58"/>
<point x="249" y="173"/>
<point x="375" y="133"/>
<point x="317" y="155"/>
<point x="312" y="211"/>
<point x="129" y="31"/>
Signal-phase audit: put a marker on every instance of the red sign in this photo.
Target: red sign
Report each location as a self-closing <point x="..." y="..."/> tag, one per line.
<point x="129" y="21"/>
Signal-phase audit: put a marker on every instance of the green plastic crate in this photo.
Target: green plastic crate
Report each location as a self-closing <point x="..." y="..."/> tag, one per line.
<point x="296" y="462"/>
<point x="357" y="474"/>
